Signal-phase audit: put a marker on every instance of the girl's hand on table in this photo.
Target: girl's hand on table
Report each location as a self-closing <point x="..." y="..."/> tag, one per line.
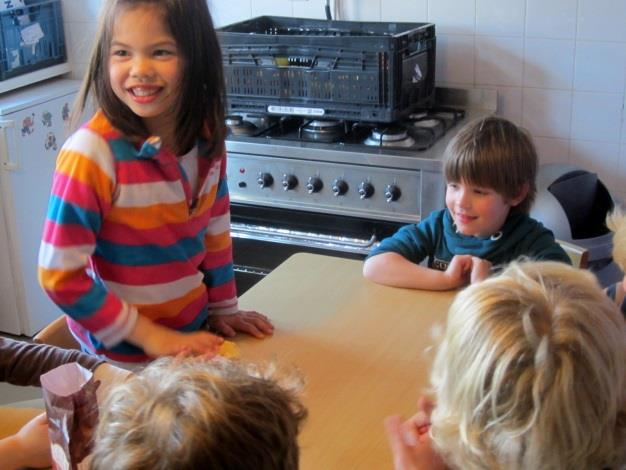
<point x="157" y="340"/>
<point x="33" y="443"/>
<point x="250" y="322"/>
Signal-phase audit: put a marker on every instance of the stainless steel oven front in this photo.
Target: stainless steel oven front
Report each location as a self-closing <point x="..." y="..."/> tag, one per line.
<point x="318" y="202"/>
<point x="264" y="237"/>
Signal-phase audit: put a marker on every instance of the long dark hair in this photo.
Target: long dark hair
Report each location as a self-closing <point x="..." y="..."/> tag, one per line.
<point x="201" y="99"/>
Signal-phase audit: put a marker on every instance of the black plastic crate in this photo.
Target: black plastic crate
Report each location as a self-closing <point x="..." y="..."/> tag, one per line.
<point x="365" y="71"/>
<point x="31" y="38"/>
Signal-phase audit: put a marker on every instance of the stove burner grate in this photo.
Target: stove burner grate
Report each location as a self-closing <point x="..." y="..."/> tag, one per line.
<point x="393" y="136"/>
<point x="322" y="130"/>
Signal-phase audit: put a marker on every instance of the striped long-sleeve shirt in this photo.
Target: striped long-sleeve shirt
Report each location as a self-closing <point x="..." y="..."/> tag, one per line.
<point x="124" y="235"/>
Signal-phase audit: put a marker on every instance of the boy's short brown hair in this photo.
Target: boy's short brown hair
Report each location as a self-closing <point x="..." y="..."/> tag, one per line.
<point x="193" y="413"/>
<point x="492" y="152"/>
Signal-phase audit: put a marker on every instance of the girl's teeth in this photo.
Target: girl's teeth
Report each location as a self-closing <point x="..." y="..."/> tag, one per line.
<point x="143" y="92"/>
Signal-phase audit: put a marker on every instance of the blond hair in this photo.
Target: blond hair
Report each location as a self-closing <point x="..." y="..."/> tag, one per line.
<point x="492" y="152"/>
<point x="190" y="414"/>
<point x="531" y="373"/>
<point x="616" y="222"/>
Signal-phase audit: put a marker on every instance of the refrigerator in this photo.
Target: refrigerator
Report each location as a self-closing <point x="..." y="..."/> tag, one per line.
<point x="33" y="126"/>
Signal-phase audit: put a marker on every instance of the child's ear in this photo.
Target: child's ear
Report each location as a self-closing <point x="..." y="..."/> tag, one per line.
<point x="520" y="196"/>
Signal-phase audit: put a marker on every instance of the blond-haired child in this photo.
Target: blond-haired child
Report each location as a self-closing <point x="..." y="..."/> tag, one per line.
<point x="531" y="373"/>
<point x="490" y="169"/>
<point x="192" y="414"/>
<point x="616" y="221"/>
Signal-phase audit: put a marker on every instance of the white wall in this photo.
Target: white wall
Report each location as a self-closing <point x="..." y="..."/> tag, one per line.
<point x="559" y="65"/>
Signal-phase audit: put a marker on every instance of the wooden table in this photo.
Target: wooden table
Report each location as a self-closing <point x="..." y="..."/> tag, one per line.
<point x="363" y="348"/>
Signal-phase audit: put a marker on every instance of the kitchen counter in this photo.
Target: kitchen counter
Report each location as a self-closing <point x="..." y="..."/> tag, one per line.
<point x="364" y="350"/>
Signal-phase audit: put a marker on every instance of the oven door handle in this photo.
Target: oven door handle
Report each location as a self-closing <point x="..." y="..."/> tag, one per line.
<point x="304" y="239"/>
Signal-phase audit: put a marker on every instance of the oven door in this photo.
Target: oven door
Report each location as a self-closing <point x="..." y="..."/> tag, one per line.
<point x="265" y="237"/>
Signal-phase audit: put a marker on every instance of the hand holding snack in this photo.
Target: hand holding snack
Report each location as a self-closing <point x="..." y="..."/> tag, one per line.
<point x="157" y="340"/>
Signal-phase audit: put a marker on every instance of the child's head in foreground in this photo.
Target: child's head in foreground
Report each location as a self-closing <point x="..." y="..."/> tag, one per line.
<point x="616" y="221"/>
<point x="192" y="414"/>
<point x="531" y="373"/>
<point x="495" y="155"/>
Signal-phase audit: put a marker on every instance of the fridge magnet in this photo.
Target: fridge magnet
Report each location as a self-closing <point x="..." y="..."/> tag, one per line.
<point x="28" y="125"/>
<point x="51" y="141"/>
<point x="46" y="118"/>
<point x="65" y="112"/>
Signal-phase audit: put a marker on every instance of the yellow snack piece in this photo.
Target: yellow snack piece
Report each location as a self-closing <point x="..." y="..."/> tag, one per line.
<point x="229" y="350"/>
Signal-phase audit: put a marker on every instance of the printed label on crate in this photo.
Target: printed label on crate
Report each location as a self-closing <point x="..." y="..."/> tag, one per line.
<point x="295" y="110"/>
<point x="8" y="4"/>
<point x="32" y="34"/>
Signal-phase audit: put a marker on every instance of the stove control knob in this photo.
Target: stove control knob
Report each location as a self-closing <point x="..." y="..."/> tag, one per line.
<point x="314" y="185"/>
<point x="340" y="187"/>
<point x="392" y="193"/>
<point x="366" y="189"/>
<point x="265" y="180"/>
<point x="289" y="182"/>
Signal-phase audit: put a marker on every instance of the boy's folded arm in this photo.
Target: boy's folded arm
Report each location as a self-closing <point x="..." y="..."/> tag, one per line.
<point x="392" y="269"/>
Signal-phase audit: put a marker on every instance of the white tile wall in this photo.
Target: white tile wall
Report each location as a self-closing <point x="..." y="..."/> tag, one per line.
<point x="555" y="19"/>
<point x="239" y="10"/>
<point x="500" y="17"/>
<point x="499" y="60"/>
<point x="602" y="20"/>
<point x="596" y="116"/>
<point x="547" y="113"/>
<point x="559" y="65"/>
<point x="549" y="63"/>
<point x="599" y="66"/>
<point x="399" y="10"/>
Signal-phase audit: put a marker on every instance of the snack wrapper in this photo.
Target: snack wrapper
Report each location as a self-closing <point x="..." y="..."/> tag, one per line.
<point x="69" y="392"/>
<point x="229" y="350"/>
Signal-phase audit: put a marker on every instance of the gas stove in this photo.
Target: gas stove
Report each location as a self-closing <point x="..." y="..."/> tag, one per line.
<point x="418" y="132"/>
<point x="386" y="171"/>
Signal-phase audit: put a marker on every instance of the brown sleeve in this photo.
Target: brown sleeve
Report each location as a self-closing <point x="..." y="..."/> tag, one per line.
<point x="22" y="363"/>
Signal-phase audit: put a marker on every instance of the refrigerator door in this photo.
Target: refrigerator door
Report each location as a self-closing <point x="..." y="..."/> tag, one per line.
<point x="33" y="128"/>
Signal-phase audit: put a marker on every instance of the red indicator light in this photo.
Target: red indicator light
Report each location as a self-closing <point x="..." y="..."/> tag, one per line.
<point x="242" y="170"/>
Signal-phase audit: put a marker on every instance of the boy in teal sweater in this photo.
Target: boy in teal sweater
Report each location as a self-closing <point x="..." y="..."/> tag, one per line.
<point x="490" y="168"/>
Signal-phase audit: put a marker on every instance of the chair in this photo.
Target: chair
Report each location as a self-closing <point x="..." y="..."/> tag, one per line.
<point x="58" y="334"/>
<point x="577" y="254"/>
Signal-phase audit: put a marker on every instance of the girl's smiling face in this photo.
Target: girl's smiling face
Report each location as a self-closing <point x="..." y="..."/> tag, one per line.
<point x="145" y="68"/>
<point x="476" y="211"/>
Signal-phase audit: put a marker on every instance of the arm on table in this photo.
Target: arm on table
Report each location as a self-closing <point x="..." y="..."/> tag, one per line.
<point x="392" y="269"/>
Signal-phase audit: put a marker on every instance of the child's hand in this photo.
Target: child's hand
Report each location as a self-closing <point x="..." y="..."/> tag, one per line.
<point x="458" y="272"/>
<point x="481" y="269"/>
<point x="250" y="322"/>
<point x="157" y="340"/>
<point x="410" y="454"/>
<point x="33" y="444"/>
<point x="419" y="423"/>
